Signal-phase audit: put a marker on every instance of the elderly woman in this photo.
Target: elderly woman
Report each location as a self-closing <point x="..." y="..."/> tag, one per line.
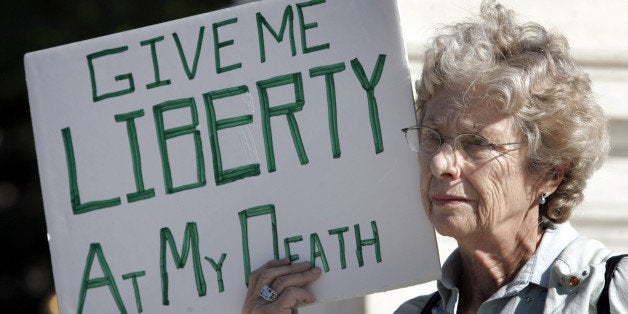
<point x="508" y="134"/>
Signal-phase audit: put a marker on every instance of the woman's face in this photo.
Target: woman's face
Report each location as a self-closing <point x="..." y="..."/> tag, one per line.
<point x="462" y="196"/>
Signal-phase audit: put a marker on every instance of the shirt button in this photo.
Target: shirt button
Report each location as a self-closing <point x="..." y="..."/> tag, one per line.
<point x="574" y="281"/>
<point x="527" y="299"/>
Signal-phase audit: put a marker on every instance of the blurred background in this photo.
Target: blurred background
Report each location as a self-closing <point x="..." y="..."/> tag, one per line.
<point x="595" y="30"/>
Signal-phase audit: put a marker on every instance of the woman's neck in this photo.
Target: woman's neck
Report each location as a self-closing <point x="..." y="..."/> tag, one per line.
<point x="495" y="260"/>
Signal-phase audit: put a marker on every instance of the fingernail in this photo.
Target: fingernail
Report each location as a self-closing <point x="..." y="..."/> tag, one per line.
<point x="315" y="270"/>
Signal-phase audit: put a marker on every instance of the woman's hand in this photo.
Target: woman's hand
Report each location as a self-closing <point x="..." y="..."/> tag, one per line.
<point x="286" y="280"/>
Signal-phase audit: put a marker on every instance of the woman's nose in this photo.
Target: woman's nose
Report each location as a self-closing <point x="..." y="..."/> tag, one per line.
<point x="444" y="163"/>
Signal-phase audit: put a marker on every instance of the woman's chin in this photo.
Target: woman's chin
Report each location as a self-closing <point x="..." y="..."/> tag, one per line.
<point x="454" y="226"/>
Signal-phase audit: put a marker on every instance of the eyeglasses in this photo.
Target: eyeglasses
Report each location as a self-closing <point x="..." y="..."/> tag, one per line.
<point x="428" y="141"/>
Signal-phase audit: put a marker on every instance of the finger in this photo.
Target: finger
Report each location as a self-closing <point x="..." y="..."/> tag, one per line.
<point x="268" y="275"/>
<point x="254" y="276"/>
<point x="285" y="304"/>
<point x="296" y="280"/>
<point x="291" y="297"/>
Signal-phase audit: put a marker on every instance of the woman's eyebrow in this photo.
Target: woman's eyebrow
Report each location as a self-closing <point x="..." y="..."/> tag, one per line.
<point x="466" y="126"/>
<point x="470" y="126"/>
<point x="433" y="121"/>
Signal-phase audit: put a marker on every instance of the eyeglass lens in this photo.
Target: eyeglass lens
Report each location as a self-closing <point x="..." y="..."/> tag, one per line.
<point x="428" y="141"/>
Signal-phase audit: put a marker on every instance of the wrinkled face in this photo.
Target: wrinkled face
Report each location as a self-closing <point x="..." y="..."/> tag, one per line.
<point x="464" y="197"/>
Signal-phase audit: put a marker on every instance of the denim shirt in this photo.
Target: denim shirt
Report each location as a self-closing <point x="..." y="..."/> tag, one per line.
<point x="564" y="275"/>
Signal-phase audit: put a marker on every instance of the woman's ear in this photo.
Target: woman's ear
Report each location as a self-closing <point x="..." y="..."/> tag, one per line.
<point x="552" y="179"/>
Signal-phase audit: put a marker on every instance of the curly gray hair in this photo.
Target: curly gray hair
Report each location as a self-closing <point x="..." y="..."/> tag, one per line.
<point x="532" y="75"/>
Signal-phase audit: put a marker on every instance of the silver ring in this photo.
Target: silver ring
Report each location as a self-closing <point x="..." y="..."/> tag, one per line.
<point x="268" y="294"/>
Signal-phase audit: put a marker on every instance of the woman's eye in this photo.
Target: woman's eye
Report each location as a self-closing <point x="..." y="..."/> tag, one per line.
<point x="432" y="138"/>
<point x="480" y="142"/>
<point x="429" y="137"/>
<point x="474" y="141"/>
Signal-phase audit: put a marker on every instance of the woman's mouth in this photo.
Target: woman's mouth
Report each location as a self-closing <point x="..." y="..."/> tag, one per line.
<point x="447" y="200"/>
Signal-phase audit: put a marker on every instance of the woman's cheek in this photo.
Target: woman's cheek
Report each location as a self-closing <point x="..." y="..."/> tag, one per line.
<point x="488" y="200"/>
<point x="424" y="189"/>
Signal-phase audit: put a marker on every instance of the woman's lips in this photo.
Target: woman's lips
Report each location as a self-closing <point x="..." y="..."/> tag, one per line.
<point x="444" y="200"/>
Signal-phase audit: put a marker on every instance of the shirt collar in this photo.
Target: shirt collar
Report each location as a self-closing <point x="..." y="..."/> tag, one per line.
<point x="536" y="270"/>
<point x="555" y="239"/>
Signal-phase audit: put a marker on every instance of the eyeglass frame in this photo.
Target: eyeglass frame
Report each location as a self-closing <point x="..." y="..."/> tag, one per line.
<point x="442" y="138"/>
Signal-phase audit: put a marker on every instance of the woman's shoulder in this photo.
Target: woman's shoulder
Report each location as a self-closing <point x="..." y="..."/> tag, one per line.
<point x="585" y="257"/>
<point x="618" y="285"/>
<point x="414" y="306"/>
<point x="622" y="268"/>
<point x="584" y="251"/>
<point x="578" y="277"/>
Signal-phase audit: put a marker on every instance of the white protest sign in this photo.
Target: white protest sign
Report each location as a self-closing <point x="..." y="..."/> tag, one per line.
<point x="176" y="158"/>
